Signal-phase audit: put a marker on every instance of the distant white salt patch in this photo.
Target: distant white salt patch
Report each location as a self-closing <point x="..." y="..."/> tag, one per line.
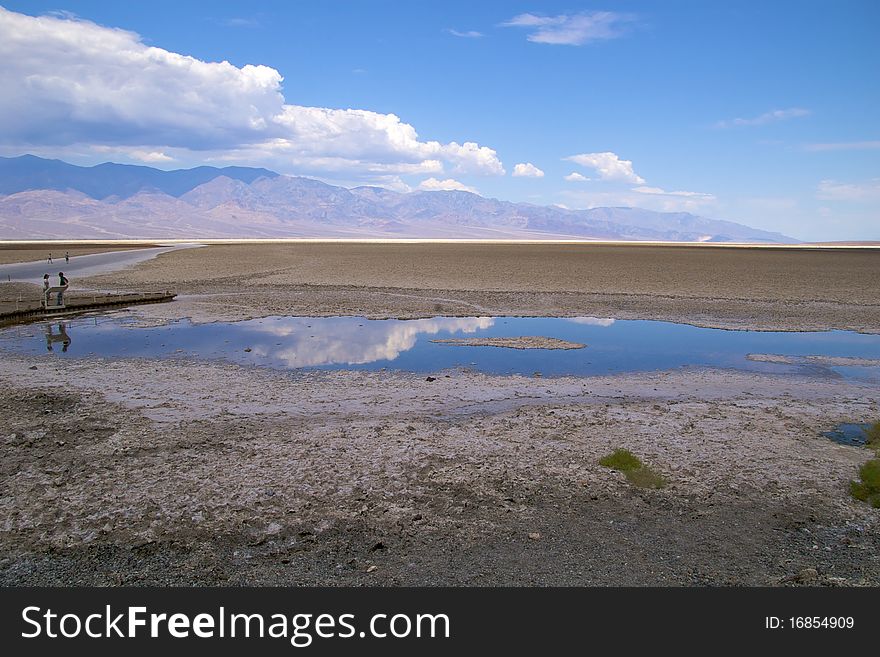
<point x="521" y="342"/>
<point x="829" y="361"/>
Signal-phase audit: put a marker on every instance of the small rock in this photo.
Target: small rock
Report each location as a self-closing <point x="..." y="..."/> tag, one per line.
<point x="808" y="575"/>
<point x="535" y="536"/>
<point x="373" y="568"/>
<point x="537" y="375"/>
<point x="430" y="378"/>
<point x="247" y="350"/>
<point x="32" y="367"/>
<point x="378" y="546"/>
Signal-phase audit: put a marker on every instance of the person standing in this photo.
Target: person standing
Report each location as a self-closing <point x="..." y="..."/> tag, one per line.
<point x="45" y="282"/>
<point x="67" y="256"/>
<point x="49" y="259"/>
<point x="62" y="283"/>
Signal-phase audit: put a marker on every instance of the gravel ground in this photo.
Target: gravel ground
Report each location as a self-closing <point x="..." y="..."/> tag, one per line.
<point x="132" y="472"/>
<point x="723" y="287"/>
<point x="176" y="472"/>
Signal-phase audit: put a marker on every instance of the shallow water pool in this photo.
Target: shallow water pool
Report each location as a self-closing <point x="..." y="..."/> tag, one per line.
<point x="612" y="346"/>
<point x="849" y="433"/>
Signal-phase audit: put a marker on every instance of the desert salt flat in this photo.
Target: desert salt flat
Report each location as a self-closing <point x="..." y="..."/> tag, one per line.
<point x="89" y="264"/>
<point x="153" y="451"/>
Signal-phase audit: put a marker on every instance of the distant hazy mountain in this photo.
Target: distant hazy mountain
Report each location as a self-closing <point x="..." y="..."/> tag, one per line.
<point x="19" y="174"/>
<point x="42" y="199"/>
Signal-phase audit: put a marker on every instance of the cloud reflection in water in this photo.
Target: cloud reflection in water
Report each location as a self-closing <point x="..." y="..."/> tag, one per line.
<point x="309" y="342"/>
<point x="591" y="321"/>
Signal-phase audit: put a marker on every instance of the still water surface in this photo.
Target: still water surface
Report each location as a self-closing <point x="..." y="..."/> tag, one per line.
<point x="613" y="346"/>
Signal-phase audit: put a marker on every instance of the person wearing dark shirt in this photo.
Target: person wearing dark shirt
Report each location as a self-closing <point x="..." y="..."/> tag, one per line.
<point x="62" y="282"/>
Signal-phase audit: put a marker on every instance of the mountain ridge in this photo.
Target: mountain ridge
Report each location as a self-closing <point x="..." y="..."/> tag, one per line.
<point x="29" y="172"/>
<point x="129" y="201"/>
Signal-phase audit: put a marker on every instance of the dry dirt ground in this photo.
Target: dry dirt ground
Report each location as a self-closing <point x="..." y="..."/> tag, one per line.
<point x="782" y="289"/>
<point x="11" y="252"/>
<point x="130" y="472"/>
<point x="174" y="472"/>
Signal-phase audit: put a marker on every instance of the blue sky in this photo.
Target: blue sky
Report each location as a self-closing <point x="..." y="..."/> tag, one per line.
<point x="764" y="113"/>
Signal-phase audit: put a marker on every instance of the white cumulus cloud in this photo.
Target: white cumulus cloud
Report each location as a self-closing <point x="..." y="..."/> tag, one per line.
<point x="609" y="166"/>
<point x="434" y="185"/>
<point x="572" y="29"/>
<point x="150" y="156"/>
<point x="69" y="82"/>
<point x="527" y="170"/>
<point x="574" y="176"/>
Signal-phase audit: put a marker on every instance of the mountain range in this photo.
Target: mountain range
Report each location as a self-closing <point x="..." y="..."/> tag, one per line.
<point x="51" y="199"/>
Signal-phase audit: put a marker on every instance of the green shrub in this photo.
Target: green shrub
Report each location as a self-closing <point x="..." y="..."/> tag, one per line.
<point x="870" y="474"/>
<point x="621" y="459"/>
<point x="868" y="489"/>
<point x="873" y="433"/>
<point x="859" y="491"/>
<point x="636" y="472"/>
<point x="645" y="477"/>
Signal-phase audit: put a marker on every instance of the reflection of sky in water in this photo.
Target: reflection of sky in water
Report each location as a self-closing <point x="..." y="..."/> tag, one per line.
<point x="352" y="341"/>
<point x="357" y="343"/>
<point x="591" y="321"/>
<point x="848" y="433"/>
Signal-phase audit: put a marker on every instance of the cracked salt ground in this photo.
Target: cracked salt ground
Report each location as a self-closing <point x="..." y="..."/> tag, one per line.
<point x="139" y="494"/>
<point x="496" y="345"/>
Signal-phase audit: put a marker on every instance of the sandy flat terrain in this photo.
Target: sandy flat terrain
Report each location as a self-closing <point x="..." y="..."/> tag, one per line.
<point x="805" y="289"/>
<point x="165" y="472"/>
<point x="192" y="472"/>
<point x="28" y="252"/>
